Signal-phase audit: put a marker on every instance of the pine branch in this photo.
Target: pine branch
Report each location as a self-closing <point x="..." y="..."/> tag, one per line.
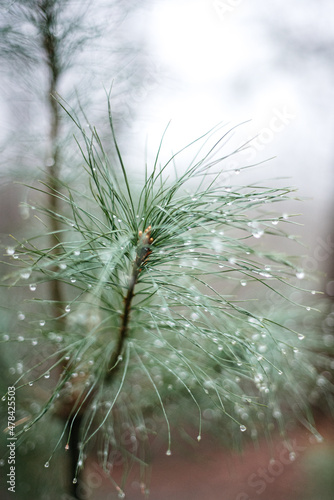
<point x="166" y="310"/>
<point x="142" y="255"/>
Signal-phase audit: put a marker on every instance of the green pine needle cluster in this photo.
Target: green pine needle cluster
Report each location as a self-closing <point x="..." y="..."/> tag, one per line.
<point x="155" y="317"/>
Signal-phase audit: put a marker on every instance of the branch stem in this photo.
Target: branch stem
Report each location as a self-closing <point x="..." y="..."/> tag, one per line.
<point x="143" y="252"/>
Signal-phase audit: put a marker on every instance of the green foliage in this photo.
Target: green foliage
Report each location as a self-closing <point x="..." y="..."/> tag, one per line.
<point x="155" y="316"/>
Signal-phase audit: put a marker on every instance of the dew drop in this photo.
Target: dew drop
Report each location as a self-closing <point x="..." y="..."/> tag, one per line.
<point x="280" y="372"/>
<point x="46" y="464"/>
<point x="80" y="462"/>
<point x="237" y="171"/>
<point x="50" y="162"/>
<point x="21" y="316"/>
<point x="76" y="252"/>
<point x="68" y="308"/>
<point x="32" y="287"/>
<point x="258" y="233"/>
<point x="47" y="375"/>
<point x="292" y="456"/>
<point x="199" y="437"/>
<point x="2" y="463"/>
<point x="34" y="341"/>
<point x="62" y="266"/>
<point x="243" y="283"/>
<point x="20" y="338"/>
<point x="72" y="280"/>
<point x="3" y="398"/>
<point x="301" y="336"/>
<point x="75" y="481"/>
<point x="10" y="251"/>
<point x="31" y="384"/>
<point x="5" y="337"/>
<point x="25" y="275"/>
<point x="300" y="274"/>
<point x="168" y="453"/>
<point x="24" y="211"/>
<point x="319" y="438"/>
<point x="42" y="322"/>
<point x="67" y="446"/>
<point x="243" y="428"/>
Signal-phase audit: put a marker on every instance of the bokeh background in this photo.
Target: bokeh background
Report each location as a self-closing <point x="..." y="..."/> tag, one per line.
<point x="268" y="66"/>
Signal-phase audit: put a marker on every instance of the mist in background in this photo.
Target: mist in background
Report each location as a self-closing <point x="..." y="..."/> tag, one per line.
<point x="199" y="63"/>
<point x="268" y="62"/>
<point x="265" y="67"/>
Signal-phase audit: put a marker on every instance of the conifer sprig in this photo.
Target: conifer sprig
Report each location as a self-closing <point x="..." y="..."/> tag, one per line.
<point x="156" y="310"/>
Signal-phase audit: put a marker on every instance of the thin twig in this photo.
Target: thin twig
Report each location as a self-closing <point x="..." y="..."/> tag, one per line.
<point x="143" y="252"/>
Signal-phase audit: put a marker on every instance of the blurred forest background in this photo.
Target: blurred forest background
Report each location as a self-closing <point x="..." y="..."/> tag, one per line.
<point x="197" y="63"/>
